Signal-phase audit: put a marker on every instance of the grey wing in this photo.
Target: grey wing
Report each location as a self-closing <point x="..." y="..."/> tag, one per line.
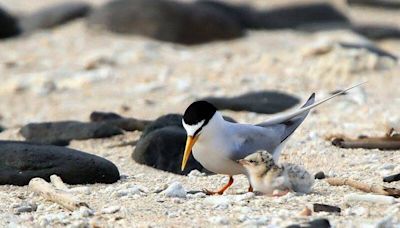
<point x="249" y="140"/>
<point x="291" y="124"/>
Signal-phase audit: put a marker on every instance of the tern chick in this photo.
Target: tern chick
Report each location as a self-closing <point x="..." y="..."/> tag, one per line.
<point x="269" y="178"/>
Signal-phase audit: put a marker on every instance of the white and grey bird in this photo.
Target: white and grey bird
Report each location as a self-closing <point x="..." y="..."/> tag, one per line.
<point x="217" y="144"/>
<point x="270" y="178"/>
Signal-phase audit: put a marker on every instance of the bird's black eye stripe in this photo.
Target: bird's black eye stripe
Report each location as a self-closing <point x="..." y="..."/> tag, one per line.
<point x="198" y="130"/>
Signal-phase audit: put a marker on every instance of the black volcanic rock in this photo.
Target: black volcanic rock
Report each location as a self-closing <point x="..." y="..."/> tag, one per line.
<point x="267" y="102"/>
<point x="163" y="149"/>
<point x="61" y="133"/>
<point x="8" y="25"/>
<point x="173" y="21"/>
<point x="54" y="15"/>
<point x="22" y="161"/>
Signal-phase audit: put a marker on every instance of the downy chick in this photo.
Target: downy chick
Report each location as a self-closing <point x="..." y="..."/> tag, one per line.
<point x="269" y="178"/>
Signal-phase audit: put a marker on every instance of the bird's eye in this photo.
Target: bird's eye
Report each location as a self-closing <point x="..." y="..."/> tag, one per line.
<point x="252" y="161"/>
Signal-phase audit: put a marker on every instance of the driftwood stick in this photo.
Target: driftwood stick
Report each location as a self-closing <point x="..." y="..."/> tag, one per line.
<point x="58" y="196"/>
<point x="377" y="189"/>
<point x="58" y="183"/>
<point x="371" y="198"/>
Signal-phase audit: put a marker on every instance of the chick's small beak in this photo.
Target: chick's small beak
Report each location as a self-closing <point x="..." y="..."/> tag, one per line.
<point x="190" y="141"/>
<point x="242" y="162"/>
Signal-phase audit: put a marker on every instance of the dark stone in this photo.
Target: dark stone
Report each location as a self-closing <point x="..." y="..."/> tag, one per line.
<point x="327" y="208"/>
<point x="2" y="128"/>
<point x="8" y="25"/>
<point x="267" y="102"/>
<point x="113" y="119"/>
<point x="61" y="133"/>
<point x="320" y="175"/>
<point x="173" y="21"/>
<point x="378" y="32"/>
<point x="392" y="178"/>
<point x="298" y="16"/>
<point x="163" y="149"/>
<point x="163" y="121"/>
<point x="54" y="15"/>
<point x="373" y="49"/>
<point x="385" y="4"/>
<point x="102" y="116"/>
<point x="22" y="161"/>
<point x="317" y="223"/>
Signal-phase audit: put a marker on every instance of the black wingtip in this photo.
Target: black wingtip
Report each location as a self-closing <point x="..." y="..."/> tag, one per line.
<point x="310" y="100"/>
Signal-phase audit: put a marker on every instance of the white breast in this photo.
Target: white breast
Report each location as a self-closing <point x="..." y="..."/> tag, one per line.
<point x="215" y="160"/>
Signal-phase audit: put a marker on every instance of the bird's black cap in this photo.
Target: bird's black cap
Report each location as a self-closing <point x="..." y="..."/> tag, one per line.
<point x="198" y="111"/>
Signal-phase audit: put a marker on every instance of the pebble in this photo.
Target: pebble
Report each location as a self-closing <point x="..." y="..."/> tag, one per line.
<point x="218" y="202"/>
<point x="26" y="207"/>
<point x="257" y="221"/>
<point x="220" y="220"/>
<point x="130" y="191"/>
<point x="196" y="173"/>
<point x="175" y="190"/>
<point x="320" y="175"/>
<point x="82" y="212"/>
<point x="110" y="210"/>
<point x="358" y="211"/>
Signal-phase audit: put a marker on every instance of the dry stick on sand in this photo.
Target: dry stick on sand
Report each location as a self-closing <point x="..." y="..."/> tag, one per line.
<point x="377" y="189"/>
<point x="390" y="141"/>
<point x="58" y="196"/>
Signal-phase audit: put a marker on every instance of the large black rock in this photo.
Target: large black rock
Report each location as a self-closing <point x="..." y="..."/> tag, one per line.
<point x="8" y="25"/>
<point x="54" y="15"/>
<point x="161" y="146"/>
<point x="61" y="133"/>
<point x="173" y="21"/>
<point x="267" y="102"/>
<point x="22" y="161"/>
<point x="163" y="149"/>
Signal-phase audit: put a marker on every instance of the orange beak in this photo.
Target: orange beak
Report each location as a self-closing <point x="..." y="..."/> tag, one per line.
<point x="190" y="141"/>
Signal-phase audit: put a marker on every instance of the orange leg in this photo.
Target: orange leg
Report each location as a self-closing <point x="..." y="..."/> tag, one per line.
<point x="250" y="189"/>
<point x="222" y="190"/>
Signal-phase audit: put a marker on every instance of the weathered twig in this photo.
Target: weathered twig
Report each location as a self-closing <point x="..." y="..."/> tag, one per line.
<point x="370" y="198"/>
<point x="377" y="189"/>
<point x="58" y="183"/>
<point x="390" y="141"/>
<point x="391" y="178"/>
<point x="58" y="196"/>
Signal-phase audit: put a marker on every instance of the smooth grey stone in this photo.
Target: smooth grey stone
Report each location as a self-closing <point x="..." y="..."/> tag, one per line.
<point x="61" y="133"/>
<point x="22" y="161"/>
<point x="173" y="21"/>
<point x="8" y="25"/>
<point x="54" y="15"/>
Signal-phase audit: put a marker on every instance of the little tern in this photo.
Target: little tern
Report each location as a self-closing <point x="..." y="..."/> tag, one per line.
<point x="218" y="144"/>
<point x="269" y="178"/>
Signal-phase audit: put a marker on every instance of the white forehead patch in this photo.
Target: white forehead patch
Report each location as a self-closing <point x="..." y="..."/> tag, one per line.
<point x="191" y="129"/>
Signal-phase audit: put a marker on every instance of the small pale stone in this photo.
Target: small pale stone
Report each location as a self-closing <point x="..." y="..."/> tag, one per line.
<point x="220" y="220"/>
<point x="175" y="190"/>
<point x="111" y="209"/>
